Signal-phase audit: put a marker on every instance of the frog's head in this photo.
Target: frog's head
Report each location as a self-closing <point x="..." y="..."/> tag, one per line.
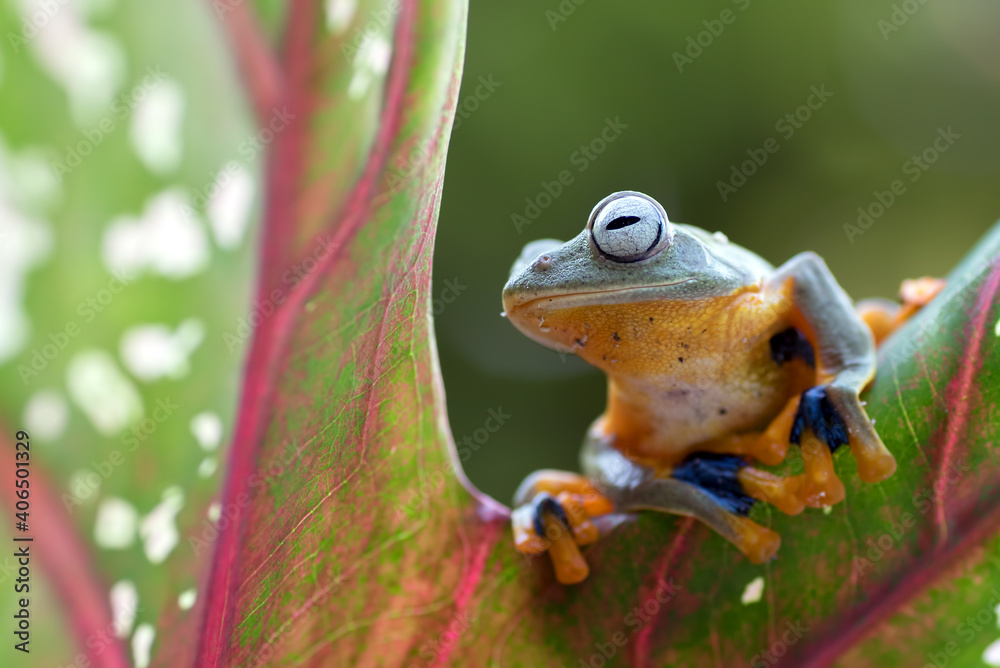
<point x="628" y="256"/>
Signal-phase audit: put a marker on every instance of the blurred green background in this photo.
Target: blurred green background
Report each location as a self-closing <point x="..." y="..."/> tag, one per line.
<point x="894" y="77"/>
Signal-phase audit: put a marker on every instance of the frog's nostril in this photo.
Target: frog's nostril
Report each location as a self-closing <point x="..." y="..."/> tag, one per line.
<point x="543" y="262"/>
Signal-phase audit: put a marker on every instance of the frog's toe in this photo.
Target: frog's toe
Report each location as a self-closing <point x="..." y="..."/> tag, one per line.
<point x="817" y="414"/>
<point x="782" y="493"/>
<point x="875" y="462"/>
<point x="758" y="543"/>
<point x="919" y="292"/>
<point x="545" y="504"/>
<point x="884" y="317"/>
<point x="526" y="539"/>
<point x="533" y="532"/>
<point x="820" y="485"/>
<point x="557" y="525"/>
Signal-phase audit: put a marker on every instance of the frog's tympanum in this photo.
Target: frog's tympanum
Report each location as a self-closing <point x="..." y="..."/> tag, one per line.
<point x="715" y="360"/>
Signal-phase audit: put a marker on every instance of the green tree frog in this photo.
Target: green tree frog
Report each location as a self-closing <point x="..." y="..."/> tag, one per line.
<point x="715" y="360"/>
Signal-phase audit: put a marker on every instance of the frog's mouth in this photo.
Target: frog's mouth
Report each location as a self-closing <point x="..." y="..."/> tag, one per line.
<point x="563" y="299"/>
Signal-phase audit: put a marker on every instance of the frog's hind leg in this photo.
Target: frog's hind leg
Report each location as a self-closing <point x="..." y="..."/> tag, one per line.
<point x="884" y="317"/>
<point x="881" y="316"/>
<point x="717" y="489"/>
<point x="710" y="487"/>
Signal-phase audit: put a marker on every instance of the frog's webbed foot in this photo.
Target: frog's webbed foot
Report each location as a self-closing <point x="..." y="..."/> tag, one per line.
<point x="552" y="513"/>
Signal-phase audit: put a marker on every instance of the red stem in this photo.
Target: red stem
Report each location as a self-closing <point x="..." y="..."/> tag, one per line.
<point x="254" y="56"/>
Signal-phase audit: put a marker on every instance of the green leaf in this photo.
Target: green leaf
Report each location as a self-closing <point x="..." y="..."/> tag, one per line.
<point x="341" y="374"/>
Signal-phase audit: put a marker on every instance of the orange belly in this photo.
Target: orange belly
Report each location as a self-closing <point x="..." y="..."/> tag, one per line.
<point x="684" y="372"/>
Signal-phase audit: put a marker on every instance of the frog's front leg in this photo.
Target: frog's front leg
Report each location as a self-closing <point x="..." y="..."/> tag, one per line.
<point x="831" y="413"/>
<point x="552" y="511"/>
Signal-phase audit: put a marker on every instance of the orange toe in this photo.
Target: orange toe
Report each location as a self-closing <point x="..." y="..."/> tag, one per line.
<point x="570" y="566"/>
<point x="820" y="485"/>
<point x="920" y="291"/>
<point x="525" y="539"/>
<point x="758" y="543"/>
<point x="875" y="462"/>
<point x="782" y="493"/>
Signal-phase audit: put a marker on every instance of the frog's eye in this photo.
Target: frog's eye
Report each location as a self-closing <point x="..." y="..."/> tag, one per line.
<point x="629" y="226"/>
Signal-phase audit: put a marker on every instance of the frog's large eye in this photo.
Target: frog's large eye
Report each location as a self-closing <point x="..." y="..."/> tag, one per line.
<point x="629" y="226"/>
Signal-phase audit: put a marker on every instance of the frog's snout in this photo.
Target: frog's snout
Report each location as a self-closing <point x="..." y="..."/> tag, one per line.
<point x="535" y="253"/>
<point x="527" y="272"/>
